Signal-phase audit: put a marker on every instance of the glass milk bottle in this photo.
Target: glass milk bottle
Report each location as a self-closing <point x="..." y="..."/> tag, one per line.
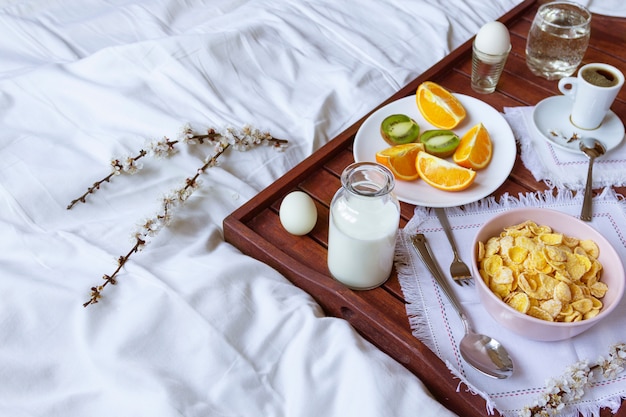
<point x="364" y="219"/>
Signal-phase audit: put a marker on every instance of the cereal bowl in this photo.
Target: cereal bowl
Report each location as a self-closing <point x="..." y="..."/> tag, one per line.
<point x="531" y="327"/>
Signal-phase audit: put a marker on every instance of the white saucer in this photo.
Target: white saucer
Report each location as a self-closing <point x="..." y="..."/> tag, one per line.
<point x="551" y="119"/>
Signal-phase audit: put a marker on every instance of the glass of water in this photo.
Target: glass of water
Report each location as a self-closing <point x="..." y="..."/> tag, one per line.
<point x="558" y="39"/>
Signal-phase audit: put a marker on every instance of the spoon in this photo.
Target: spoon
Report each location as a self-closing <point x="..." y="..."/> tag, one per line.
<point x="593" y="148"/>
<point x="482" y="352"/>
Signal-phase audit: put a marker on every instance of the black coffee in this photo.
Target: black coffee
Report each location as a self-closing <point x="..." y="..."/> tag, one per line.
<point x="600" y="77"/>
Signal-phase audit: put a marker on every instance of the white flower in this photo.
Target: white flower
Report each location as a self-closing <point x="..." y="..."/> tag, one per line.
<point x="116" y="166"/>
<point x="615" y="363"/>
<point x="162" y="148"/>
<point x="612" y="370"/>
<point x="185" y="134"/>
<point x="131" y="166"/>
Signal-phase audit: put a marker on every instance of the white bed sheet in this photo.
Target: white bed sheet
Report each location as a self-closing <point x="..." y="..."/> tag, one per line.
<point x="194" y="328"/>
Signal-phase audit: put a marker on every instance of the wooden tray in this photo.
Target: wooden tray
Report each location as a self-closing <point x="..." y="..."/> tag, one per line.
<point x="379" y="314"/>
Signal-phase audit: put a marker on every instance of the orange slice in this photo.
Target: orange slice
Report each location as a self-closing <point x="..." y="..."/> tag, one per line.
<point x="475" y="149"/>
<point x="400" y="159"/>
<point x="438" y="106"/>
<point x="443" y="174"/>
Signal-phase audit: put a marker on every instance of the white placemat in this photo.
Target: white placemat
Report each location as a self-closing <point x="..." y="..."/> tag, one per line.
<point x="560" y="168"/>
<point x="434" y="321"/>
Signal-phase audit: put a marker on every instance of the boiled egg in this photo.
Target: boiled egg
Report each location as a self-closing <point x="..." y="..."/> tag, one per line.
<point x="298" y="213"/>
<point x="493" y="39"/>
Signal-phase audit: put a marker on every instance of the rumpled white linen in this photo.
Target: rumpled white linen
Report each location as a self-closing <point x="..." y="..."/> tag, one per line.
<point x="615" y="8"/>
<point x="193" y="327"/>
<point x="560" y="168"/>
<point x="435" y="322"/>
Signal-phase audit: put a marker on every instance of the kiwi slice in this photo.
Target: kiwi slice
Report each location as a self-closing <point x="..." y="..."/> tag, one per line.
<point x="399" y="129"/>
<point x="441" y="143"/>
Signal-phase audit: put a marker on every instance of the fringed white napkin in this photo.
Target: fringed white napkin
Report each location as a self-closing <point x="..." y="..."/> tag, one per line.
<point x="436" y="324"/>
<point x="560" y="168"/>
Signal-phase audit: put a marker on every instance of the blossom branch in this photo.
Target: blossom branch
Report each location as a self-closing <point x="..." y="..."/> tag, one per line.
<point x="239" y="140"/>
<point x="129" y="164"/>
<point x="111" y="279"/>
<point x="571" y="386"/>
<point x="159" y="149"/>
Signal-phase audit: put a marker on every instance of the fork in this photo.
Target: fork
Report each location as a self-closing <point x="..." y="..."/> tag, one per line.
<point x="458" y="269"/>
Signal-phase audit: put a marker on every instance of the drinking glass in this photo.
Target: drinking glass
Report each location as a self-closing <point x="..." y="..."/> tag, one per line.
<point x="486" y="70"/>
<point x="558" y="39"/>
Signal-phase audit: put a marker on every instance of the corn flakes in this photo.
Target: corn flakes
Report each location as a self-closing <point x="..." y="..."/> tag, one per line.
<point x="543" y="273"/>
<point x="519" y="301"/>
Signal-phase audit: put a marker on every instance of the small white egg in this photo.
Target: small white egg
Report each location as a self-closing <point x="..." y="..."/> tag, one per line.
<point x="493" y="38"/>
<point x="298" y="213"/>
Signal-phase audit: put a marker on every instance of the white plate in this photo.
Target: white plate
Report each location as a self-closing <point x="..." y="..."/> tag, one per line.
<point x="368" y="141"/>
<point x="551" y="119"/>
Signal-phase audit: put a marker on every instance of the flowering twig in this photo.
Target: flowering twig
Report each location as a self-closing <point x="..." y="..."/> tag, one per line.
<point x="239" y="140"/>
<point x="571" y="386"/>
<point x="129" y="165"/>
<point x="159" y="148"/>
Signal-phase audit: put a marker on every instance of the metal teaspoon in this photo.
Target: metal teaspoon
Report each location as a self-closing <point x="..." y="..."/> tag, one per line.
<point x="593" y="148"/>
<point x="482" y="352"/>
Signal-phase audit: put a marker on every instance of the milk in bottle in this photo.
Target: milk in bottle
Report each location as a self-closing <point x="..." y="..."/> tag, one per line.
<point x="364" y="219"/>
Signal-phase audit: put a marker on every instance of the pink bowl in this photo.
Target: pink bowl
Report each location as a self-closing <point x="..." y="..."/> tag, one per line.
<point x="531" y="327"/>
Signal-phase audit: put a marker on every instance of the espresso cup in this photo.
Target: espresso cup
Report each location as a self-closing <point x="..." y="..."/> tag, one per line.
<point x="593" y="91"/>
